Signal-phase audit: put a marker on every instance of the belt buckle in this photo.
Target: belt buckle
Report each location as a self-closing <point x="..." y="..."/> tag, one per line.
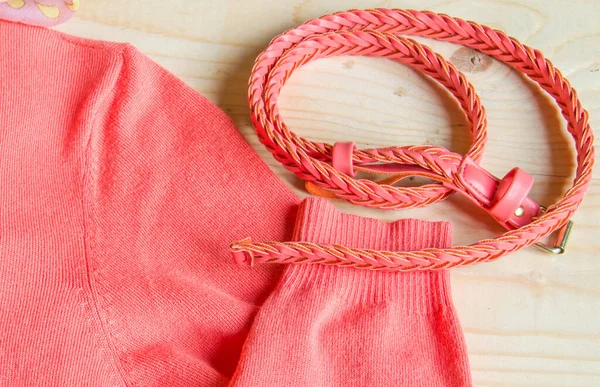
<point x="561" y="240"/>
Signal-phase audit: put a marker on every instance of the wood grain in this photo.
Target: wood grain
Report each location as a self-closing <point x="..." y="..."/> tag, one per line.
<point x="530" y="319"/>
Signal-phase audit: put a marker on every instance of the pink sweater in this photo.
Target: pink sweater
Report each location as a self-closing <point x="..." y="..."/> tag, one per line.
<point x="120" y="190"/>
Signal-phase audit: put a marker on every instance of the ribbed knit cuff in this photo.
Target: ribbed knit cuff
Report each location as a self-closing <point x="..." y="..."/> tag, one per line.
<point x="319" y="221"/>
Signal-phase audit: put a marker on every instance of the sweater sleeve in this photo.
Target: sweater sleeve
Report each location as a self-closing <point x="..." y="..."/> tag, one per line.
<point x="169" y="184"/>
<point x="347" y="327"/>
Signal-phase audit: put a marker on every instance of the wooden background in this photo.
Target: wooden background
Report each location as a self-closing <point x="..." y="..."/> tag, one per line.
<point x="531" y="319"/>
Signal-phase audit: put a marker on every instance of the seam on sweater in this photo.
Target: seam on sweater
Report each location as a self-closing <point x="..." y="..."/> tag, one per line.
<point x="99" y="45"/>
<point x="88" y="235"/>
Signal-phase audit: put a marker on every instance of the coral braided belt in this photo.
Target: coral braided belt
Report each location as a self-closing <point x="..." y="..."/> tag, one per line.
<point x="330" y="170"/>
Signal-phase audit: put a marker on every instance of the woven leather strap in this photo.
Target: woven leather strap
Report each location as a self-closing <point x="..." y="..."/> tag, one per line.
<point x="330" y="169"/>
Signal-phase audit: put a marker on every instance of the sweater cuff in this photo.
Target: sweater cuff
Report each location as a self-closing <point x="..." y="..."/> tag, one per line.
<point x="318" y="221"/>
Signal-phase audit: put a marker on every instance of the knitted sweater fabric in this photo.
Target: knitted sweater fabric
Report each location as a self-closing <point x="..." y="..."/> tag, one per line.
<point x="120" y="191"/>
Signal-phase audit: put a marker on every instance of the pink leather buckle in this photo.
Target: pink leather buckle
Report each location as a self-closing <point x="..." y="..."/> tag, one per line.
<point x="505" y="200"/>
<point x="510" y="195"/>
<point x="341" y="157"/>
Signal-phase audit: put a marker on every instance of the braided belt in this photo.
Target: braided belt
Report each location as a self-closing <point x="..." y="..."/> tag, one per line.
<point x="330" y="170"/>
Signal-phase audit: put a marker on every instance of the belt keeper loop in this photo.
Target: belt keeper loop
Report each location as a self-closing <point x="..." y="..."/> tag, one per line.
<point x="341" y="157"/>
